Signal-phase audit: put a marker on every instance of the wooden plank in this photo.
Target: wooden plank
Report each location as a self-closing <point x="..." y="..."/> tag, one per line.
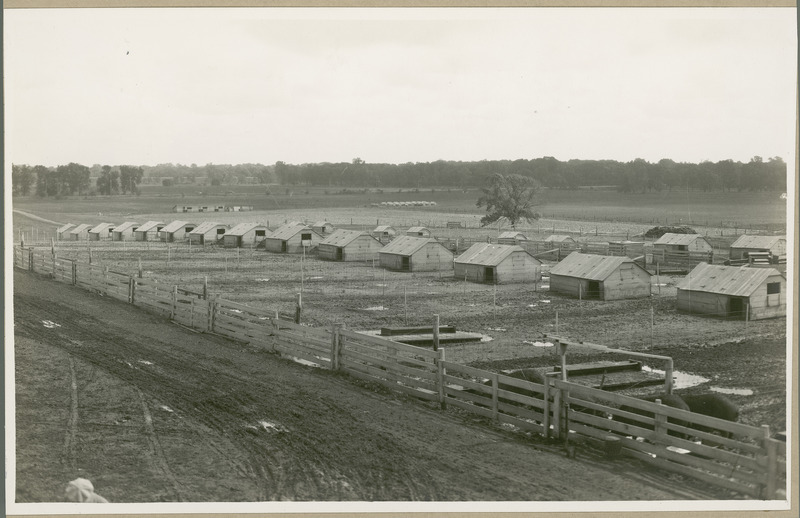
<point x="371" y="352"/>
<point x="520" y="398"/>
<point x="322" y="361"/>
<point x="383" y="374"/>
<point x="518" y="411"/>
<point x="521" y="423"/>
<point x="412" y="330"/>
<point x="467" y="384"/>
<point x="298" y="348"/>
<point x="465" y="369"/>
<point x="383" y="342"/>
<point x="390" y="365"/>
<point x="255" y="311"/>
<point x="481" y="411"/>
<point x="394" y="386"/>
<point x="308" y="341"/>
<point x="468" y="396"/>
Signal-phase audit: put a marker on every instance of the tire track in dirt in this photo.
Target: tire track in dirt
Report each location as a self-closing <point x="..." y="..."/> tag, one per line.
<point x="155" y="448"/>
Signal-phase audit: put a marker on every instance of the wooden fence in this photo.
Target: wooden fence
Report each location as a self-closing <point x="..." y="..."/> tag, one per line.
<point x="730" y="455"/>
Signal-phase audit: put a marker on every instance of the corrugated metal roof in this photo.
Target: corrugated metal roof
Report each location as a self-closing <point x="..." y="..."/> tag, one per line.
<point x="677" y="239"/>
<point x="737" y="281"/>
<point x="383" y="228"/>
<point x="342" y="237"/>
<point x="175" y="226"/>
<point x="65" y="227"/>
<point x="148" y="226"/>
<point x="407" y="245"/>
<point x="289" y="230"/>
<point x="243" y="228"/>
<point x="757" y="241"/>
<point x="487" y="254"/>
<point x="558" y="238"/>
<point x="588" y="266"/>
<point x="80" y="228"/>
<point x="125" y="226"/>
<point x="206" y="227"/>
<point x="510" y="234"/>
<point x="100" y="228"/>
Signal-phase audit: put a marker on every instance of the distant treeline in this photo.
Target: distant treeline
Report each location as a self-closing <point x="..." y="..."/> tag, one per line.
<point x="635" y="176"/>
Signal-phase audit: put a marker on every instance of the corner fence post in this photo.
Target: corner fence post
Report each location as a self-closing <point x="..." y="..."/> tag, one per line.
<point x="441" y="372"/>
<point x="546" y="409"/>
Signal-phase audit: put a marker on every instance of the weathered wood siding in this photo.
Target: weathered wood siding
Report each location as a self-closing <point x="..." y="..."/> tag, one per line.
<point x="761" y="304"/>
<point x="123" y="235"/>
<point x="391" y="261"/>
<point x="698" y="245"/>
<point x="362" y="248"/>
<point x="569" y="285"/>
<point x="779" y="248"/>
<point x="294" y="244"/>
<point x="518" y="267"/>
<point x="627" y="282"/>
<point x="431" y="257"/>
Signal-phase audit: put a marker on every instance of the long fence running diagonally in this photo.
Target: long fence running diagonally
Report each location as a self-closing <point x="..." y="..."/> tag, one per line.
<point x="730" y="455"/>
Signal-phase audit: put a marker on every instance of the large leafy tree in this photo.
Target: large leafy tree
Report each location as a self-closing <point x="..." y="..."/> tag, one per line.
<point x="511" y="197"/>
<point x="22" y="178"/>
<point x="108" y="182"/>
<point x="129" y="177"/>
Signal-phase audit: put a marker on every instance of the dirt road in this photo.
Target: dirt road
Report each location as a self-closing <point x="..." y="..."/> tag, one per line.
<point x="149" y="412"/>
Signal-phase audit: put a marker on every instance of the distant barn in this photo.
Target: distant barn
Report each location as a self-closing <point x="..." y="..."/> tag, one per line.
<point x="245" y="235"/>
<point x="511" y="237"/>
<point x="745" y="245"/>
<point x="415" y="254"/>
<point x="101" y="232"/>
<point x="733" y="292"/>
<point x="349" y="245"/>
<point x="418" y="232"/>
<point x="62" y="232"/>
<point x="148" y="231"/>
<point x="176" y="231"/>
<point x="323" y="228"/>
<point x="671" y="243"/>
<point x="497" y="264"/>
<point x="124" y="231"/>
<point x="292" y="238"/>
<point x="384" y="233"/>
<point x="80" y="233"/>
<point x="600" y="277"/>
<point x="207" y="233"/>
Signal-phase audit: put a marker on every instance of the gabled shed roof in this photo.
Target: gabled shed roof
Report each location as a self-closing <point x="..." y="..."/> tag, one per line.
<point x="83" y="227"/>
<point x="558" y="238"/>
<point x="737" y="281"/>
<point x="64" y="228"/>
<point x="589" y="266"/>
<point x="174" y="226"/>
<point x="677" y="239"/>
<point x="148" y="226"/>
<point x="243" y="228"/>
<point x="511" y="234"/>
<point x="124" y="226"/>
<point x="417" y="229"/>
<point x="343" y="237"/>
<point x="487" y="254"/>
<point x="100" y="228"/>
<point x="205" y="227"/>
<point x="757" y="241"/>
<point x="407" y="245"/>
<point x="289" y="230"/>
<point x="383" y="228"/>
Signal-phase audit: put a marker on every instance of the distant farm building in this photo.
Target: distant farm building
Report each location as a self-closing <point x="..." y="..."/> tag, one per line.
<point x="418" y="232"/>
<point x="384" y="233"/>
<point x="206" y="233"/>
<point x="101" y="232"/>
<point x="497" y="264"/>
<point x="600" y="277"/>
<point x="633" y="249"/>
<point x="323" y="228"/>
<point x="148" y="231"/>
<point x="80" y="233"/>
<point x="245" y="235"/>
<point x="733" y="292"/>
<point x="511" y="237"/>
<point x="185" y="208"/>
<point x="745" y="245"/>
<point x="682" y="243"/>
<point x="176" y="231"/>
<point x="62" y="232"/>
<point x="124" y="231"/>
<point x="561" y="240"/>
<point x="292" y="238"/>
<point x="349" y="245"/>
<point x="415" y="254"/>
<point x="211" y="208"/>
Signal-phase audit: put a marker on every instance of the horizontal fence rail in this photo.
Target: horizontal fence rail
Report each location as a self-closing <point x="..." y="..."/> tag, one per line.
<point x="726" y="454"/>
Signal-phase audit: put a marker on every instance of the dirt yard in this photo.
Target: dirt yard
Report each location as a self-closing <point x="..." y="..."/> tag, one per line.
<point x="152" y="412"/>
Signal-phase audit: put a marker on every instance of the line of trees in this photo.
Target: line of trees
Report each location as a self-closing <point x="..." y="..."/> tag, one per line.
<point x="632" y="177"/>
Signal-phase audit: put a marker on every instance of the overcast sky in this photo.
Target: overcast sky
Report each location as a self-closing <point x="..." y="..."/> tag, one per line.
<point x="141" y="86"/>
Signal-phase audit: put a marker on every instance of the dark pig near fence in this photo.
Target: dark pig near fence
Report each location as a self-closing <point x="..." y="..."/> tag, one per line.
<point x="670" y="400"/>
<point x="712" y="405"/>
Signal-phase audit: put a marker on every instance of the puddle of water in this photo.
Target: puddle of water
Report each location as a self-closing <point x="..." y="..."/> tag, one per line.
<point x="532" y="305"/>
<point x="50" y="325"/>
<point x="168" y="409"/>
<point x="680" y="379"/>
<point x="145" y="362"/>
<point x="544" y="286"/>
<point x="375" y="308"/>
<point x="314" y="278"/>
<point x="736" y="392"/>
<point x="262" y="280"/>
<point x="235" y="310"/>
<point x="501" y="329"/>
<point x="545" y="301"/>
<point x="537" y="344"/>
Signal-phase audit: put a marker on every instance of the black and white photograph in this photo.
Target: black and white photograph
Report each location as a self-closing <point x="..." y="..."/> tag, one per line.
<point x="382" y="259"/>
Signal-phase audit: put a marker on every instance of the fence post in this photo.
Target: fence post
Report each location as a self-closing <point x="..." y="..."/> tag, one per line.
<point x="335" y="346"/>
<point x="771" y="467"/>
<point x="30" y="260"/>
<point x="174" y="302"/>
<point x="140" y="266"/>
<point x="54" y="264"/>
<point x="435" y="332"/>
<point x="298" y="309"/>
<point x="660" y="425"/>
<point x="557" y="412"/>
<point x="132" y="290"/>
<point x="546" y="409"/>
<point x="74" y="273"/>
<point x="105" y="279"/>
<point x="440" y="374"/>
<point x="495" y="388"/>
<point x="205" y="287"/>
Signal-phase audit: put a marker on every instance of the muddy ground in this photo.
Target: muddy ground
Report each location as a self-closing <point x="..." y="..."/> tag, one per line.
<point x="152" y="412"/>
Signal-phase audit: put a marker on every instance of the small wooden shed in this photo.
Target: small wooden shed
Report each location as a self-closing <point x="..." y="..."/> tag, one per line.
<point x="497" y="264"/>
<point x="418" y="232"/>
<point x="510" y="237"/>
<point x="176" y="231"/>
<point x="101" y="232"/>
<point x="561" y="239"/>
<point x="773" y="245"/>
<point x="80" y="233"/>
<point x="245" y="235"/>
<point x="148" y="231"/>
<point x="292" y="238"/>
<point x="323" y="228"/>
<point x="671" y="243"/>
<point x="62" y="232"/>
<point x="632" y="249"/>
<point x="384" y="233"/>
<point x="600" y="277"/>
<point x="349" y="245"/>
<point x="207" y="233"/>
<point x="733" y="292"/>
<point x="415" y="254"/>
<point x="124" y="231"/>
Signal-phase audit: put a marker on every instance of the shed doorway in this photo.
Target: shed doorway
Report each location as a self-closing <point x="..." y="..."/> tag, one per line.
<point x="405" y="265"/>
<point x="339" y="254"/>
<point x="736" y="307"/>
<point x="593" y="290"/>
<point x="488" y="274"/>
<point x="283" y="246"/>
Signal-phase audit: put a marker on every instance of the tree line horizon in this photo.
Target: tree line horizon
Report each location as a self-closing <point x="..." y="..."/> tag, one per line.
<point x="636" y="176"/>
